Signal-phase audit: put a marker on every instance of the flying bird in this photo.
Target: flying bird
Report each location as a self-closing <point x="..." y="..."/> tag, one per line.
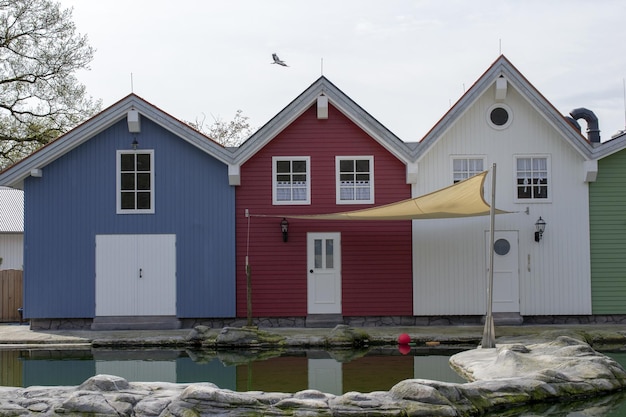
<point x="278" y="61"/>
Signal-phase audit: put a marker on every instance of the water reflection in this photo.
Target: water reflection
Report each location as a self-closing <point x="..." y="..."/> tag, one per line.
<point x="334" y="372"/>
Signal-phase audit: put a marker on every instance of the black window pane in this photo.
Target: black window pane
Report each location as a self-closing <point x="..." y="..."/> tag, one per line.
<point x="299" y="166"/>
<point x="127" y="181"/>
<point x="499" y="116"/>
<point x="363" y="165"/>
<point x="143" y="201"/>
<point x="283" y="166"/>
<point x="143" y="162"/>
<point x="128" y="201"/>
<point x="127" y="162"/>
<point x="346" y="177"/>
<point x="346" y="166"/>
<point x="143" y="181"/>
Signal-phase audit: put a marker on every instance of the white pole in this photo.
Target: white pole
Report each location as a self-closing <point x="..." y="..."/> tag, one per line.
<point x="489" y="336"/>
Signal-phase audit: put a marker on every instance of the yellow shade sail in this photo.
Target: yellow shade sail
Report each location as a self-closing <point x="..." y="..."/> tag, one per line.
<point x="463" y="199"/>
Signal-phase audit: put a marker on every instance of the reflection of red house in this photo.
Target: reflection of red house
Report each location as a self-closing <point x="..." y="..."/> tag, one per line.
<point x="322" y="154"/>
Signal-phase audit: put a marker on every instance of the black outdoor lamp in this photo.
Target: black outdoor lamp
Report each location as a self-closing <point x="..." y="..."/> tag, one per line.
<point x="540" y="227"/>
<point x="284" y="227"/>
<point x="135" y="143"/>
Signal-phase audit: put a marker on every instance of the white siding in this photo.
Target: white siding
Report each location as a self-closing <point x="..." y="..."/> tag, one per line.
<point x="12" y="250"/>
<point x="449" y="256"/>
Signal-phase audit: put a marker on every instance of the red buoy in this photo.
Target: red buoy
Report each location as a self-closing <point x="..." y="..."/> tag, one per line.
<point x="404" y="339"/>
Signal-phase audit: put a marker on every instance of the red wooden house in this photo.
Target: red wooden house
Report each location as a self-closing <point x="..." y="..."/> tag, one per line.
<point x="322" y="154"/>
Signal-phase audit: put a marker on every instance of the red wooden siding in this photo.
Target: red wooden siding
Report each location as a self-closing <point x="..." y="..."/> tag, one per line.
<point x="376" y="255"/>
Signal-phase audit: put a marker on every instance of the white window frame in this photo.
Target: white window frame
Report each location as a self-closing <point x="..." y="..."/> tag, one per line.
<point x="118" y="173"/>
<point x="467" y="173"/>
<point x="370" y="186"/>
<point x="307" y="199"/>
<point x="548" y="170"/>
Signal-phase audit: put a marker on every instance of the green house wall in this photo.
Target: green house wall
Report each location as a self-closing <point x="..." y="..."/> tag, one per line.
<point x="607" y="211"/>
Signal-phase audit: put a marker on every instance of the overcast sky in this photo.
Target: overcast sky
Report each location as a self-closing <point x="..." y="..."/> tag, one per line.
<point x="404" y="62"/>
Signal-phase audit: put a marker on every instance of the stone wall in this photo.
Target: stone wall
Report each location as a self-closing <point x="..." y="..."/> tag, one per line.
<point x="366" y="321"/>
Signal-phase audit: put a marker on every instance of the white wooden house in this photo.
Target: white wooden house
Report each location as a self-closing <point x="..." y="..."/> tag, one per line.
<point x="543" y="169"/>
<point x="11" y="228"/>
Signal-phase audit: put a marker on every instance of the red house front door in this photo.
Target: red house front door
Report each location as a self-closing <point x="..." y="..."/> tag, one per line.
<point x="324" y="273"/>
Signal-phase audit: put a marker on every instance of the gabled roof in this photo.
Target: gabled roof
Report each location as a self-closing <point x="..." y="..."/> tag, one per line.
<point x="15" y="174"/>
<point x="11" y="210"/>
<point x="503" y="67"/>
<point x="615" y="144"/>
<point x="336" y="97"/>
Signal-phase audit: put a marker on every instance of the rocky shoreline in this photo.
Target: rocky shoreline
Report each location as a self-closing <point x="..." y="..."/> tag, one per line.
<point x="545" y="369"/>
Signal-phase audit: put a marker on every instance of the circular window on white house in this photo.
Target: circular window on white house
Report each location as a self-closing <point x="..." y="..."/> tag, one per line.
<point x="501" y="247"/>
<point x="499" y="116"/>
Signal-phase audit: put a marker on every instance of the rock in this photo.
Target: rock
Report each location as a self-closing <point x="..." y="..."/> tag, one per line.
<point x="418" y="390"/>
<point x="87" y="402"/>
<point x="347" y="336"/>
<point x="199" y="334"/>
<point x="246" y="337"/>
<point x="104" y="383"/>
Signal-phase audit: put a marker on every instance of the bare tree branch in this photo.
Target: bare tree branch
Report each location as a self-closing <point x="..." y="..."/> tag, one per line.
<point x="40" y="97"/>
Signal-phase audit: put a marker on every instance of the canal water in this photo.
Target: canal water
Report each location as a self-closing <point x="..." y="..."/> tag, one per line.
<point x="335" y="372"/>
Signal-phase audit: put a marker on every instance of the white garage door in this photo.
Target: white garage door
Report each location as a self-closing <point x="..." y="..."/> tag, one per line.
<point x="135" y="275"/>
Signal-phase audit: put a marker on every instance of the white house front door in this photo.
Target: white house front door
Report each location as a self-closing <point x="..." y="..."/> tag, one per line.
<point x="324" y="273"/>
<point x="135" y="275"/>
<point x="505" y="271"/>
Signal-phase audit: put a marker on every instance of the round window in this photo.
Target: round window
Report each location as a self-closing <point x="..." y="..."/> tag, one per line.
<point x="501" y="247"/>
<point x="499" y="116"/>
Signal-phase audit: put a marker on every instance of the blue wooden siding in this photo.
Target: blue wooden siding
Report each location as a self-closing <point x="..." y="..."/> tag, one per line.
<point x="75" y="200"/>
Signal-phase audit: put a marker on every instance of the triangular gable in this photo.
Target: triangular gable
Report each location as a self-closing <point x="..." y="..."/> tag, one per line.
<point x="503" y="67"/>
<point x="15" y="174"/>
<point x="463" y="199"/>
<point x="336" y="97"/>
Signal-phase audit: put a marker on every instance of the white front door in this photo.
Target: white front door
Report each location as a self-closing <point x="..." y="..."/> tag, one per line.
<point x="505" y="271"/>
<point x="324" y="273"/>
<point x="135" y="275"/>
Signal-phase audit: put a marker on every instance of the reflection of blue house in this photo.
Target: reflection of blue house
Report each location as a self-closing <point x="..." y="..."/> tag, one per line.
<point x="137" y="366"/>
<point x="129" y="222"/>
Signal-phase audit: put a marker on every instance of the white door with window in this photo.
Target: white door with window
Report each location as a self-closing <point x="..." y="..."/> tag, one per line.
<point x="135" y="275"/>
<point x="324" y="273"/>
<point x="505" y="271"/>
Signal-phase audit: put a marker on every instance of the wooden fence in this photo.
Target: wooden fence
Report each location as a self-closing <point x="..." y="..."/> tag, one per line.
<point x="11" y="297"/>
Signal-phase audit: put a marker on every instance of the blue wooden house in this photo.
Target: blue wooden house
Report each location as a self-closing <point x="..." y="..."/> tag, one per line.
<point x="129" y="223"/>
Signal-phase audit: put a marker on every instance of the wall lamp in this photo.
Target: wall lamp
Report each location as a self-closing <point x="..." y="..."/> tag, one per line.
<point x="135" y="143"/>
<point x="540" y="227"/>
<point x="284" y="228"/>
